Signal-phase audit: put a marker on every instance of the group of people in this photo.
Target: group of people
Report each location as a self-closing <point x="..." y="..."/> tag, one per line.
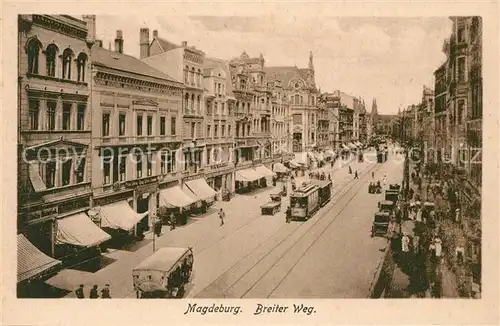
<point x="94" y="292"/>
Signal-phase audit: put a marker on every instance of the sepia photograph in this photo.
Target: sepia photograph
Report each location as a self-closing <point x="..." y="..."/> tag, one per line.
<point x="259" y="157"/>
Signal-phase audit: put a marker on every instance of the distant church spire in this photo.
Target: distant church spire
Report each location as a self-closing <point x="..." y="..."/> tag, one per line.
<point x="311" y="65"/>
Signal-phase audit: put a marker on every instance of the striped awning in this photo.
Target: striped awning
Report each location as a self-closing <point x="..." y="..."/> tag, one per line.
<point x="31" y="262"/>
<point x="79" y="230"/>
<point x="201" y="189"/>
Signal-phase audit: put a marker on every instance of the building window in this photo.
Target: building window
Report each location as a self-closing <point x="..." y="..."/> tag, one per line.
<point x="34" y="111"/>
<point x="123" y="168"/>
<point x="106" y="168"/>
<point x="186" y="102"/>
<point x="222" y="130"/>
<point x="208" y="130"/>
<point x="80" y="117"/>
<point x="51" y="115"/>
<point x="33" y="53"/>
<point x="297" y="99"/>
<point x="186" y="71"/>
<point x="193" y="130"/>
<point x="66" y="118"/>
<point x="138" y="160"/>
<point x="461" y="34"/>
<point x="192" y="103"/>
<point x="139" y="125"/>
<point x="105" y="124"/>
<point x="192" y="76"/>
<point x="121" y="124"/>
<point x="150" y="125"/>
<point x="216" y="131"/>
<point x="461" y="109"/>
<point x="149" y="164"/>
<point x="199" y="77"/>
<point x="162" y="126"/>
<point x="229" y="130"/>
<point x="66" y="172"/>
<point x="198" y="104"/>
<point x="172" y="126"/>
<point x="80" y="64"/>
<point x="80" y="170"/>
<point x="51" y="55"/>
<point x="461" y="69"/>
<point x="67" y="56"/>
<point x="50" y="174"/>
<point x="171" y="162"/>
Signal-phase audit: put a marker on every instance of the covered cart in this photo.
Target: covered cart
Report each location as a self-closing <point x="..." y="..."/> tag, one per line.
<point x="270" y="208"/>
<point x="164" y="273"/>
<point x="381" y="222"/>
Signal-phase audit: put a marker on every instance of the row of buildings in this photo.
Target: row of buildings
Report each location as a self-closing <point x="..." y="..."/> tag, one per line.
<point x="104" y="134"/>
<point x="447" y="125"/>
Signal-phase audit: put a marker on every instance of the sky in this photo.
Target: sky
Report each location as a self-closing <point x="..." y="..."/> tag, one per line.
<point x="389" y="59"/>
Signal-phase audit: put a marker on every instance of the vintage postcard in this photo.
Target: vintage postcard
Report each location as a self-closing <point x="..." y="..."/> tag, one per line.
<point x="294" y="155"/>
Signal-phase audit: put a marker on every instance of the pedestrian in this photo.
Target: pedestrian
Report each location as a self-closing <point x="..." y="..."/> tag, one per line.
<point x="373" y="175"/>
<point x="405" y="248"/>
<point x="350" y="170"/>
<point x="105" y="292"/>
<point x="288" y="214"/>
<point x="439" y="249"/>
<point x="221" y="216"/>
<point x="356" y="174"/>
<point x="79" y="292"/>
<point x="172" y="221"/>
<point x="93" y="292"/>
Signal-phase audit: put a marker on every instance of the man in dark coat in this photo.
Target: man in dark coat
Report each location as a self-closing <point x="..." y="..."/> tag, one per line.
<point x="105" y="292"/>
<point x="93" y="293"/>
<point x="79" y="292"/>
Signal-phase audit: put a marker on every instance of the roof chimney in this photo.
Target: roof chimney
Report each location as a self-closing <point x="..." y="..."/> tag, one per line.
<point x="184" y="44"/>
<point x="144" y="43"/>
<point x="155" y="33"/>
<point x="119" y="41"/>
<point x="91" y="32"/>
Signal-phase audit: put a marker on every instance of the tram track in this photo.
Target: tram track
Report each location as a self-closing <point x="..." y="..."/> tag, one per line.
<point x="306" y="226"/>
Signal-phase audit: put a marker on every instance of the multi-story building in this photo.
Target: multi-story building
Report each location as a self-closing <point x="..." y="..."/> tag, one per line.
<point x="323" y="124"/>
<point x="281" y="122"/>
<point x="348" y="117"/>
<point x="440" y="112"/>
<point x="363" y="124"/>
<point x="300" y="88"/>
<point x="425" y="121"/>
<point x="54" y="158"/>
<point x="219" y="123"/>
<point x="136" y="135"/>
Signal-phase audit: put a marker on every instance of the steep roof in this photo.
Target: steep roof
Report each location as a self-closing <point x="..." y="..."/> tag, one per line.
<point x="166" y="45"/>
<point x="285" y="74"/>
<point x="119" y="61"/>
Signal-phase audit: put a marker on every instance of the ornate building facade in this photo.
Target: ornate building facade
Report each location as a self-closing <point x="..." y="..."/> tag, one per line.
<point x="300" y="87"/>
<point x="54" y="156"/>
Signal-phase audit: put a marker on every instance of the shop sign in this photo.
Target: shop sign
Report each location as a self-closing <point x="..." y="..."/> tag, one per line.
<point x="139" y="182"/>
<point x="74" y="205"/>
<point x="112" y="198"/>
<point x="218" y="166"/>
<point x="241" y="143"/>
<point x="45" y="213"/>
<point x="169" y="184"/>
<point x="145" y="190"/>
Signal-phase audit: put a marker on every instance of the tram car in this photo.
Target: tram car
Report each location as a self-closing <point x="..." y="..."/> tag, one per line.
<point x="305" y="201"/>
<point x="325" y="191"/>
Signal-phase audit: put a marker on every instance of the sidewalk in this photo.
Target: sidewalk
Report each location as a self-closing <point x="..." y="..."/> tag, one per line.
<point x="201" y="233"/>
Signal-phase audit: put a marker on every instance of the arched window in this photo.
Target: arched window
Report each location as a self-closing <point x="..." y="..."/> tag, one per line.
<point x="192" y="102"/>
<point x="51" y="55"/>
<point x="66" y="61"/>
<point x="33" y="50"/>
<point x="186" y="72"/>
<point x="192" y="76"/>
<point x="296" y="101"/>
<point x="81" y="61"/>
<point x="186" y="101"/>
<point x="199" y="77"/>
<point x="301" y="100"/>
<point x="198" y="104"/>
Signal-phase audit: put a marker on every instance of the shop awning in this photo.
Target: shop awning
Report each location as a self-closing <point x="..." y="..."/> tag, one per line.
<point x="344" y="146"/>
<point x="201" y="189"/>
<point x="329" y="153"/>
<point x="174" y="196"/>
<point x="319" y="156"/>
<point x="247" y="175"/>
<point x="31" y="262"/>
<point x="120" y="216"/>
<point x="36" y="179"/>
<point x="79" y="230"/>
<point x="351" y="145"/>
<point x="301" y="158"/>
<point x="262" y="170"/>
<point x="280" y="168"/>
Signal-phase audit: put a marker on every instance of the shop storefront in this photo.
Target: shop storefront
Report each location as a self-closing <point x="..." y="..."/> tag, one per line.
<point x="247" y="180"/>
